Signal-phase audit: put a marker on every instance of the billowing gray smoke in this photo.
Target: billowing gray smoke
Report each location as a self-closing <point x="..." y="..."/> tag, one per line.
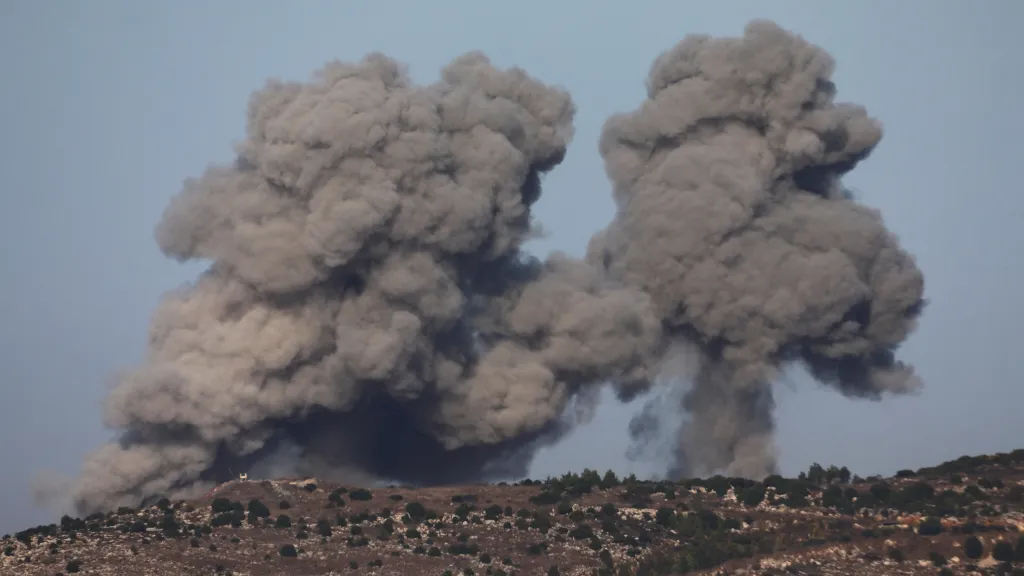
<point x="732" y="218"/>
<point x="368" y="311"/>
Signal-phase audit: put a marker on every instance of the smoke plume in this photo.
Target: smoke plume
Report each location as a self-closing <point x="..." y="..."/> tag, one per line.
<point x="732" y="218"/>
<point x="369" y="313"/>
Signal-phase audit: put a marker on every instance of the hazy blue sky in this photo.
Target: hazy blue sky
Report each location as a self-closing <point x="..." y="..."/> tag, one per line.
<point x="108" y="105"/>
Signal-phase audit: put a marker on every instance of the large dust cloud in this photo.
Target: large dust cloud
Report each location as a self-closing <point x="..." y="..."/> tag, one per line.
<point x="369" y="312"/>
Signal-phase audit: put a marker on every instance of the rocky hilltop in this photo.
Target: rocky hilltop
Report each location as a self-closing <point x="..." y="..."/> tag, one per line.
<point x="961" y="517"/>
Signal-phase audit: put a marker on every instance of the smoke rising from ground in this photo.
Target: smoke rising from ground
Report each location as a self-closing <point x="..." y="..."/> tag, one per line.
<point x="368" y="312"/>
<point x="731" y="216"/>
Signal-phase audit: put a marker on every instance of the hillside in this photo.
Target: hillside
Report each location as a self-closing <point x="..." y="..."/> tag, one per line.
<point x="959" y="517"/>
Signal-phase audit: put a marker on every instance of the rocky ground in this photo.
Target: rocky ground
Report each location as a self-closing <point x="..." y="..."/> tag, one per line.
<point x="957" y="518"/>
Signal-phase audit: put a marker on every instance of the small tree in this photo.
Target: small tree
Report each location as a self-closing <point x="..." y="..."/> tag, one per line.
<point x="288" y="551"/>
<point x="416" y="511"/>
<point x="881" y="491"/>
<point x="816" y="474"/>
<point x="257" y="510"/>
<point x="844" y="475"/>
<point x="220" y="505"/>
<point x="336" y="498"/>
<point x="973" y="548"/>
<point x="360" y="494"/>
<point x="323" y="528"/>
<point x="930" y="526"/>
<point x="1003" y="551"/>
<point x="665" y="516"/>
<point x="752" y="496"/>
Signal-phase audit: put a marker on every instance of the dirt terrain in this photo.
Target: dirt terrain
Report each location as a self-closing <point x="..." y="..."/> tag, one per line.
<point x="961" y="517"/>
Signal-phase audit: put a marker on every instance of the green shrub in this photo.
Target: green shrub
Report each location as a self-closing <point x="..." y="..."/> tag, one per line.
<point x="546" y="498"/>
<point x="930" y="526"/>
<point x="288" y="551"/>
<point x="323" y="528"/>
<point x="973" y="548"/>
<point x="609" y="480"/>
<point x="1003" y="551"/>
<point x="461" y="548"/>
<point x="360" y="494"/>
<point x="881" y="491"/>
<point x="492" y="512"/>
<point x="665" y="516"/>
<point x="335" y="498"/>
<point x="220" y="505"/>
<point x="582" y="532"/>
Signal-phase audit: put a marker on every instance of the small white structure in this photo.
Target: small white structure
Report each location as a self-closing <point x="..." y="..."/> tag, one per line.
<point x="243" y="477"/>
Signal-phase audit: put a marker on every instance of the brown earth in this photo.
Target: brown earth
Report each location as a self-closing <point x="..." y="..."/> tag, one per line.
<point x="577" y="525"/>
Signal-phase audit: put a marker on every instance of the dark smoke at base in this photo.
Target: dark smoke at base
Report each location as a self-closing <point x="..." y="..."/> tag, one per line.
<point x="369" y="313"/>
<point x="386" y="448"/>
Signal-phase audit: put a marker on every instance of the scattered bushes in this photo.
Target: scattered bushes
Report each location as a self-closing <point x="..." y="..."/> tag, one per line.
<point x="701" y="540"/>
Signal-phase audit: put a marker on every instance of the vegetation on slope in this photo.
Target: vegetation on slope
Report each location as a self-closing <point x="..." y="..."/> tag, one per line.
<point x="959" y="516"/>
